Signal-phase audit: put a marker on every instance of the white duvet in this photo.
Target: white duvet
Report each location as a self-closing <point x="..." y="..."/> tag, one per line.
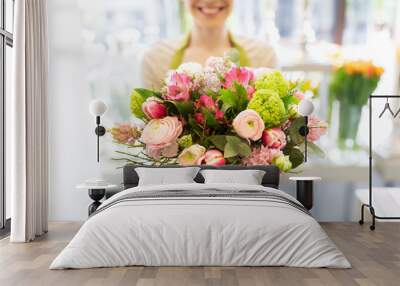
<point x="206" y="231"/>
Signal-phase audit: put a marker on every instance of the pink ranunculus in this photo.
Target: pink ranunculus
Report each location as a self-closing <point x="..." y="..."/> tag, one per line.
<point x="317" y="128"/>
<point x="249" y="125"/>
<point x="159" y="134"/>
<point x="274" y="138"/>
<point x="153" y="108"/>
<point x="199" y="117"/>
<point x="178" y="87"/>
<point x="171" y="150"/>
<point x="299" y="95"/>
<point x="261" y="156"/>
<point x="214" y="158"/>
<point x="192" y="155"/>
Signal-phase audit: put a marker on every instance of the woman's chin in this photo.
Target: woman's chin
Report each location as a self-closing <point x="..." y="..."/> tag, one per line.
<point x="208" y="20"/>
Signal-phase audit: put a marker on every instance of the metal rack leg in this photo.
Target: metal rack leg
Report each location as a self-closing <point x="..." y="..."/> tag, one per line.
<point x="361" y="221"/>
<point x="372" y="211"/>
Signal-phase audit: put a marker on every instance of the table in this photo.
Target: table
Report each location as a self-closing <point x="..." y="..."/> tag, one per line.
<point x="96" y="193"/>
<point x="304" y="190"/>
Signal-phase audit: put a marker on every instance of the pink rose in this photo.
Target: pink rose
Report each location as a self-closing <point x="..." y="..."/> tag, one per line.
<point x="159" y="134"/>
<point x="214" y="158"/>
<point x="153" y="108"/>
<point x="249" y="125"/>
<point x="192" y="155"/>
<point x="242" y="76"/>
<point x="274" y="138"/>
<point x="178" y="87"/>
<point x="317" y="128"/>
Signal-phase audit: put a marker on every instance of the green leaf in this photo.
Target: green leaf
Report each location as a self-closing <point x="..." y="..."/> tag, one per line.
<point x="230" y="151"/>
<point x="180" y="108"/>
<point x="294" y="134"/>
<point x="290" y="99"/>
<point x="145" y="93"/>
<point x="219" y="141"/>
<point x="315" y="149"/>
<point x="228" y="99"/>
<point x="185" y="108"/>
<point x="241" y="94"/>
<point x="211" y="121"/>
<point x="296" y="157"/>
<point x="236" y="146"/>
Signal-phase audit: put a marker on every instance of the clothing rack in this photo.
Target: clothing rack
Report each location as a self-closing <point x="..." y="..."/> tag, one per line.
<point x="370" y="203"/>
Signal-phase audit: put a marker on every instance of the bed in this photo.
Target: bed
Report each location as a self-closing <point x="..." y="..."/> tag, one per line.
<point x="201" y="224"/>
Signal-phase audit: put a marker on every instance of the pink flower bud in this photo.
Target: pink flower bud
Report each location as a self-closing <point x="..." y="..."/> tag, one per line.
<point x="199" y="117"/>
<point x="219" y="115"/>
<point x="153" y="108"/>
<point x="207" y="102"/>
<point x="214" y="158"/>
<point x="274" y="138"/>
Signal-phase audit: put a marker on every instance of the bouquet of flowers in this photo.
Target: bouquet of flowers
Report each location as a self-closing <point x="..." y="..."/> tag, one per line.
<point x="351" y="85"/>
<point x="215" y="115"/>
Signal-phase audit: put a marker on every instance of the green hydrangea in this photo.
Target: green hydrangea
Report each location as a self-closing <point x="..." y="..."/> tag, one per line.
<point x="136" y="104"/>
<point x="274" y="81"/>
<point x="269" y="106"/>
<point x="283" y="163"/>
<point x="185" y="141"/>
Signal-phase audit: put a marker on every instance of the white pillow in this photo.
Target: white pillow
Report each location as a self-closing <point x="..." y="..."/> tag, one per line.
<point x="248" y="177"/>
<point x="166" y="176"/>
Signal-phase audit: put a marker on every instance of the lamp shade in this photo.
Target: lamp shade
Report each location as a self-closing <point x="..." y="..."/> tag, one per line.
<point x="306" y="107"/>
<point x="97" y="107"/>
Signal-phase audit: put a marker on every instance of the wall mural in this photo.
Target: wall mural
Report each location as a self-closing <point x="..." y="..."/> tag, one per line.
<point x="222" y="114"/>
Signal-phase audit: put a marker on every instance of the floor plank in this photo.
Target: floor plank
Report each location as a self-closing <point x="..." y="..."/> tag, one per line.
<point x="375" y="257"/>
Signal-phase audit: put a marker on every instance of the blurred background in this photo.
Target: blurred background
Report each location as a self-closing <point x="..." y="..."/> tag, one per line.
<point x="95" y="51"/>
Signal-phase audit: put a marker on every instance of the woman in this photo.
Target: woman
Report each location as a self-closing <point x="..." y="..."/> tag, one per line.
<point x="208" y="37"/>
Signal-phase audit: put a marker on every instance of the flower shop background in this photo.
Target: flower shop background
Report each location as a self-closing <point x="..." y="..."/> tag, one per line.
<point x="96" y="48"/>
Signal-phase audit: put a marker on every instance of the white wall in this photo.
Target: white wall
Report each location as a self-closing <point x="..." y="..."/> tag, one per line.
<point x="71" y="137"/>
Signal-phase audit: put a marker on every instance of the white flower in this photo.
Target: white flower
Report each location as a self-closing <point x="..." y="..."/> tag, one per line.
<point x="191" y="69"/>
<point x="218" y="65"/>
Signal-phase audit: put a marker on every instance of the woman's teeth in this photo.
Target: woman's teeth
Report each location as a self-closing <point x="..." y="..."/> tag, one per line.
<point x="210" y="11"/>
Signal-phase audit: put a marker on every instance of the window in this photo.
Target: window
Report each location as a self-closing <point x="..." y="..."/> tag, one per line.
<point x="6" y="44"/>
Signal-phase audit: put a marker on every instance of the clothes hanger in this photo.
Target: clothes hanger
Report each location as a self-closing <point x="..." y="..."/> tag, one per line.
<point x="387" y="107"/>
<point x="397" y="113"/>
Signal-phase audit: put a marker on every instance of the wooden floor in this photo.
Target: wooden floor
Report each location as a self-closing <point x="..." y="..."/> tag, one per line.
<point x="375" y="257"/>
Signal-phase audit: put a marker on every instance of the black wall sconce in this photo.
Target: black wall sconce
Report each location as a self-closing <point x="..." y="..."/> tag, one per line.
<point x="97" y="108"/>
<point x="306" y="107"/>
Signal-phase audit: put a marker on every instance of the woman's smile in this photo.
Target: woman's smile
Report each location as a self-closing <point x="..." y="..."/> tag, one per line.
<point x="211" y="10"/>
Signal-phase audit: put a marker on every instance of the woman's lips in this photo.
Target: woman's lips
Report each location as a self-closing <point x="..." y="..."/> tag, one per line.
<point x="211" y="11"/>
